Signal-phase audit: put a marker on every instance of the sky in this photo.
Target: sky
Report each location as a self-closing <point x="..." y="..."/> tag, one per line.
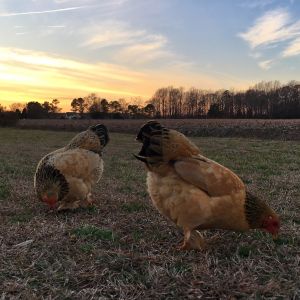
<point x="66" y="49"/>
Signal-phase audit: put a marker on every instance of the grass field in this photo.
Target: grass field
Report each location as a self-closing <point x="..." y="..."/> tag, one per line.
<point x="122" y="248"/>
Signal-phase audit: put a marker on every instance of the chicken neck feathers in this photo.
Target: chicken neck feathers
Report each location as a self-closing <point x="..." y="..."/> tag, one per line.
<point x="48" y="177"/>
<point x="255" y="210"/>
<point x="161" y="144"/>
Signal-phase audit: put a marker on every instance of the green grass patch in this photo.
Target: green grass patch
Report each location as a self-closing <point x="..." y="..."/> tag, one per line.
<point x="91" y="210"/>
<point x="23" y="217"/>
<point x="287" y="241"/>
<point x="137" y="235"/>
<point x="133" y="207"/>
<point x="86" y="248"/>
<point x="4" y="190"/>
<point x="260" y="235"/>
<point x="297" y="221"/>
<point x="245" y="251"/>
<point x="180" y="268"/>
<point x="126" y="189"/>
<point x="143" y="194"/>
<point x="93" y="233"/>
<point x="247" y="181"/>
<point x="35" y="283"/>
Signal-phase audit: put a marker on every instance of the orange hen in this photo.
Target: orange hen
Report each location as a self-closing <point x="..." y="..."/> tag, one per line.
<point x="195" y="192"/>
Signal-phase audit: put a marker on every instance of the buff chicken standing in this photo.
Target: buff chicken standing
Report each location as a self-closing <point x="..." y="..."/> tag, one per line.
<point x="195" y="192"/>
<point x="64" y="178"/>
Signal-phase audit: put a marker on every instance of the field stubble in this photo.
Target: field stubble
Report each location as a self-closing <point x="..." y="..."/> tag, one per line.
<point x="287" y="129"/>
<point x="122" y="248"/>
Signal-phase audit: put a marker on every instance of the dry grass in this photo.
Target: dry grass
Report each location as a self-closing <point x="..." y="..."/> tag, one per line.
<point x="122" y="248"/>
<point x="250" y="128"/>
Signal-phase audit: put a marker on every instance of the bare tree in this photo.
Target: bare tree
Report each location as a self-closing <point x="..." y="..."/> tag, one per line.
<point x="54" y="106"/>
<point x="17" y="106"/>
<point x="2" y="108"/>
<point x="78" y="105"/>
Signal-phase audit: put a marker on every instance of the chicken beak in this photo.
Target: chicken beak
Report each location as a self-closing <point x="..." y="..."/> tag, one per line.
<point x="141" y="158"/>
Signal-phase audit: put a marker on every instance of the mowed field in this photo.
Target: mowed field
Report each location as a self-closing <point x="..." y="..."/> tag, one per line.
<point x="123" y="249"/>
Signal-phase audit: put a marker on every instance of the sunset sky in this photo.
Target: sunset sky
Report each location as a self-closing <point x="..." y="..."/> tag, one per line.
<point x="126" y="48"/>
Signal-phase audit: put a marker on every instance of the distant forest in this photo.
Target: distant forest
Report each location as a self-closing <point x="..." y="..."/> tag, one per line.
<point x="264" y="100"/>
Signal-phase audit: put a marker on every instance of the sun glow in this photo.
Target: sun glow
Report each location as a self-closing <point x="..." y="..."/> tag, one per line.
<point x="27" y="76"/>
<point x="39" y="76"/>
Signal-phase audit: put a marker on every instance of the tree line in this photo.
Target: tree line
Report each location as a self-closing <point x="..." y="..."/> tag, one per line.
<point x="33" y="109"/>
<point x="263" y="100"/>
<point x="91" y="106"/>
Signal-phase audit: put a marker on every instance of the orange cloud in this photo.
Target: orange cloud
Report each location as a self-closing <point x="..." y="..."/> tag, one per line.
<point x="38" y="76"/>
<point x="27" y="75"/>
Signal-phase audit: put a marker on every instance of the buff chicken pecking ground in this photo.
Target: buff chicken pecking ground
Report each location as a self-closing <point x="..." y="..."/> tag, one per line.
<point x="195" y="192"/>
<point x="64" y="178"/>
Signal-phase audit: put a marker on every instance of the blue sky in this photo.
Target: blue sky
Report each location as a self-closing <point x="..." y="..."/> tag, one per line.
<point x="69" y="48"/>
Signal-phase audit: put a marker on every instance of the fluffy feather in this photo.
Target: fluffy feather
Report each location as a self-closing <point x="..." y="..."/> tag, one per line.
<point x="195" y="192"/>
<point x="64" y="178"/>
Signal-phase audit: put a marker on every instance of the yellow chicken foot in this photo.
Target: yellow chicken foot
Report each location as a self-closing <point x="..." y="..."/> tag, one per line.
<point x="88" y="201"/>
<point x="185" y="244"/>
<point x="192" y="241"/>
<point x="196" y="241"/>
